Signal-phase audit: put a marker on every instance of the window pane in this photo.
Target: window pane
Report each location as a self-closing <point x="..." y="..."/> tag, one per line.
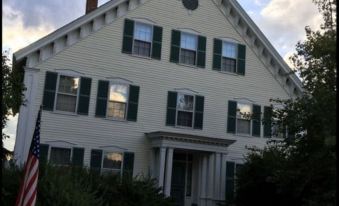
<point x="118" y="93"/>
<point x="229" y="50"/>
<point x="112" y="160"/>
<point x="243" y="126"/>
<point x="188" y="41"/>
<point x="60" y="156"/>
<point x="243" y="111"/>
<point x="185" y="119"/>
<point x="68" y="84"/>
<point x="228" y="65"/>
<point x="116" y="110"/>
<point x="143" y="32"/>
<point x="185" y="102"/>
<point x="66" y="103"/>
<point x="142" y="48"/>
<point x="187" y="57"/>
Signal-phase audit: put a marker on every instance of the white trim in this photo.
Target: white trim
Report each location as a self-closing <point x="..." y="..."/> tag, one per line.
<point x="188" y="31"/>
<point x="182" y="110"/>
<point x="119" y="80"/>
<point x="57" y="92"/>
<point x="144" y="20"/>
<point x="126" y="104"/>
<point x="102" y="169"/>
<point x="69" y="72"/>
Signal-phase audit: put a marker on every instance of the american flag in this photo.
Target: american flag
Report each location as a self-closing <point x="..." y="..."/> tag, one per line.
<point x="28" y="188"/>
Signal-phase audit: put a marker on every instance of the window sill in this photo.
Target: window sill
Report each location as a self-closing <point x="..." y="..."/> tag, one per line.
<point x="64" y="113"/>
<point x="141" y="57"/>
<point x="183" y="127"/>
<point x="115" y="120"/>
<point x="230" y="73"/>
<point x="189" y="65"/>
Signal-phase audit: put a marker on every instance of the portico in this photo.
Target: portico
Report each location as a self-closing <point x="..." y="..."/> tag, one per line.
<point x="189" y="168"/>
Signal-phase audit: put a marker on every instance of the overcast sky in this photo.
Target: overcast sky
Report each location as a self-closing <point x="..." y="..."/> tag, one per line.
<point x="282" y="21"/>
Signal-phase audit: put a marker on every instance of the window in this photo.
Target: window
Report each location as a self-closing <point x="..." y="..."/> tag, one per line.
<point x="185" y="110"/>
<point x="188" y="48"/>
<point x="67" y="93"/>
<point x="229" y="57"/>
<point x="112" y="162"/>
<point x="142" y="43"/>
<point x="244" y="112"/>
<point x="60" y="156"/>
<point x="117" y="101"/>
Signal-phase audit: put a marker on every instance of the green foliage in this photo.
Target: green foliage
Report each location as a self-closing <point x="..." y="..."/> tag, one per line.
<point x="59" y="186"/>
<point x="12" y="93"/>
<point x="301" y="169"/>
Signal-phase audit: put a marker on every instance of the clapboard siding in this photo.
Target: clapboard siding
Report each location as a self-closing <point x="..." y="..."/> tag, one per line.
<point x="99" y="56"/>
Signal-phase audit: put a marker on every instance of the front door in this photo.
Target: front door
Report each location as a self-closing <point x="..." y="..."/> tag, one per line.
<point x="181" y="177"/>
<point x="178" y="182"/>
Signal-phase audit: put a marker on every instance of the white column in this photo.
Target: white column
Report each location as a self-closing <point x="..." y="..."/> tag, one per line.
<point x="27" y="117"/>
<point x="217" y="176"/>
<point x="168" y="174"/>
<point x="203" y="177"/>
<point x="223" y="176"/>
<point x="162" y="155"/>
<point x="152" y="163"/>
<point x="210" y="185"/>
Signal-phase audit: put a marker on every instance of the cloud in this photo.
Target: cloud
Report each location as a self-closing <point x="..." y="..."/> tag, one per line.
<point x="56" y="12"/>
<point x="10" y="130"/>
<point x="284" y="21"/>
<point x="15" y="35"/>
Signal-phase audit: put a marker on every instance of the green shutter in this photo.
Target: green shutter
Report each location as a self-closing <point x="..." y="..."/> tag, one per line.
<point x="43" y="153"/>
<point x="175" y="46"/>
<point x="171" y="108"/>
<point x="127" y="42"/>
<point x="84" y="96"/>
<point x="267" y="122"/>
<point x="78" y="156"/>
<point x="231" y="120"/>
<point x="128" y="164"/>
<point x="217" y="47"/>
<point x="199" y="112"/>
<point x="133" y="103"/>
<point x="241" y="59"/>
<point x="256" y="120"/>
<point x="102" y="94"/>
<point x="156" y="44"/>
<point x="201" y="51"/>
<point x="229" y="181"/>
<point x="96" y="159"/>
<point x="49" y="91"/>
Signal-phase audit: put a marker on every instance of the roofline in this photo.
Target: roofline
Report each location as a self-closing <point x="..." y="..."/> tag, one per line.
<point x="66" y="28"/>
<point x="265" y="41"/>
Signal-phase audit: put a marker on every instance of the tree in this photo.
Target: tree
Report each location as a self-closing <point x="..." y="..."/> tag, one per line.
<point x="301" y="170"/>
<point x="12" y="94"/>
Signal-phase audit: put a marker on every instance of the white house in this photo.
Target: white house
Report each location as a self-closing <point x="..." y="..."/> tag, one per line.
<point x="154" y="87"/>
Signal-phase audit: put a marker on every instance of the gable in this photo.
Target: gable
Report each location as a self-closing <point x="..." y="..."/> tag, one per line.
<point x="229" y="21"/>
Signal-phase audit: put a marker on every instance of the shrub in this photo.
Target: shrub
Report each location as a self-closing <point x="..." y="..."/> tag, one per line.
<point x="80" y="186"/>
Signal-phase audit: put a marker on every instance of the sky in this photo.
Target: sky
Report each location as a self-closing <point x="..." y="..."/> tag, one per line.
<point x="24" y="22"/>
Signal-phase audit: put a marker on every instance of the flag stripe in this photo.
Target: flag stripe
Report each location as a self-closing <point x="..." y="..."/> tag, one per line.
<point x="28" y="189"/>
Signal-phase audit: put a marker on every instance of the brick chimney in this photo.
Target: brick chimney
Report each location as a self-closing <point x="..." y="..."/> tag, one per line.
<point x="91" y="5"/>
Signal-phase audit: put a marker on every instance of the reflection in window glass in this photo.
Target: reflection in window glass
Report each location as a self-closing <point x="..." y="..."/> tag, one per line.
<point x="244" y="112"/>
<point x="188" y="41"/>
<point x="118" y="93"/>
<point x="67" y="93"/>
<point x="112" y="162"/>
<point x="229" y="50"/>
<point x="60" y="156"/>
<point x="185" y="102"/>
<point x="143" y="32"/>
